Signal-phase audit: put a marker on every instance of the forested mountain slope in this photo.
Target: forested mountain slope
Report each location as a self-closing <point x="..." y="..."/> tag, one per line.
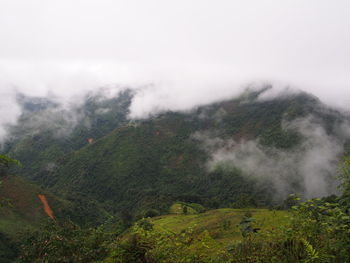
<point x="241" y="152"/>
<point x="22" y="207"/>
<point x="102" y="169"/>
<point x="47" y="130"/>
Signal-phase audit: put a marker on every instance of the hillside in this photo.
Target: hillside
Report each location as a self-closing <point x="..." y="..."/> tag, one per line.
<point x="221" y="224"/>
<point x="242" y="155"/>
<point x="24" y="208"/>
<point x="205" y="237"/>
<point x="202" y="156"/>
<point x="47" y="131"/>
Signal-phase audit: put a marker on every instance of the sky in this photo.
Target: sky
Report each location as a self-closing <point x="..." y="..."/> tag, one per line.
<point x="176" y="53"/>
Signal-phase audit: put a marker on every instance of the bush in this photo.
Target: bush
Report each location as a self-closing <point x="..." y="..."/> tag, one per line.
<point x="151" y="213"/>
<point x="64" y="243"/>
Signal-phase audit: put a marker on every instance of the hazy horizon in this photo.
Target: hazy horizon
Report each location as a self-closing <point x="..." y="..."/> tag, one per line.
<point x="174" y="54"/>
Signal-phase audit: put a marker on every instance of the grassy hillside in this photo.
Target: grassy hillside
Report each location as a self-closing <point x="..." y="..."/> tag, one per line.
<point x="203" y="237"/>
<point x="221" y="224"/>
<point x="25" y="208"/>
<point x="22" y="209"/>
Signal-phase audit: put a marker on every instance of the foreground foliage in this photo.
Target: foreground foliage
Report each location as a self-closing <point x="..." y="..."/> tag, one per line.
<point x="319" y="231"/>
<point x="64" y="243"/>
<point x="315" y="231"/>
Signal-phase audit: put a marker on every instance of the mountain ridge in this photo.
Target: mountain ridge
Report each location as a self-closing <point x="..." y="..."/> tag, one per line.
<point x="150" y="163"/>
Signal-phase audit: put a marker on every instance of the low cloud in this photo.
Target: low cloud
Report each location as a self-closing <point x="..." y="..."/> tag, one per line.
<point x="9" y="111"/>
<point x="54" y="114"/>
<point x="156" y="88"/>
<point x="310" y="169"/>
<point x="176" y="55"/>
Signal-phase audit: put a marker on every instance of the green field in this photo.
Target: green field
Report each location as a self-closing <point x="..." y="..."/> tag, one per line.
<point x="221" y="224"/>
<point x="193" y="237"/>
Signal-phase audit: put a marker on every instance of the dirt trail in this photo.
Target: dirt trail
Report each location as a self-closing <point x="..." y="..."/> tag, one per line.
<point x="47" y="208"/>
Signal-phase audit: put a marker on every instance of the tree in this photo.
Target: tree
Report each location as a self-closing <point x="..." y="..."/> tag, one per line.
<point x="246" y="225"/>
<point x="64" y="242"/>
<point x="5" y="163"/>
<point x="290" y="201"/>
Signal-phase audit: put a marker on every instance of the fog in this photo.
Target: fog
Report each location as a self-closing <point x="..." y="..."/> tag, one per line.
<point x="174" y="54"/>
<point x="309" y="169"/>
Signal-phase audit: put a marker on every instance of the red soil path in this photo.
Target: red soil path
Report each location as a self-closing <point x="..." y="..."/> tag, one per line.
<point x="47" y="208"/>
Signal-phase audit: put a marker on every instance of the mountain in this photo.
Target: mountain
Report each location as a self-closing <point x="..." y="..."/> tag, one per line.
<point x="47" y="130"/>
<point x="88" y="165"/>
<point x="247" y="151"/>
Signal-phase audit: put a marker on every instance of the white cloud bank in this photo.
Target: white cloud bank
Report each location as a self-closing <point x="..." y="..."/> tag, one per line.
<point x="313" y="165"/>
<point x="184" y="52"/>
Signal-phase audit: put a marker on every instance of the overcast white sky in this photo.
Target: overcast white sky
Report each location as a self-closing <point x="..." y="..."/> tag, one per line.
<point x="194" y="51"/>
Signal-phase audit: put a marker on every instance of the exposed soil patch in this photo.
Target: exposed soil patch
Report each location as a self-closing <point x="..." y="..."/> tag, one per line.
<point x="47" y="208"/>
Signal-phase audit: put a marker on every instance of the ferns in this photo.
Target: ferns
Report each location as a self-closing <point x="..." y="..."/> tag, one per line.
<point x="312" y="253"/>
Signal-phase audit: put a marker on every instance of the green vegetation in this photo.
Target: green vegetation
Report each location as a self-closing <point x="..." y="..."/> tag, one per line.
<point x="142" y="192"/>
<point x="221" y="224"/>
<point x="150" y="164"/>
<point x="5" y="163"/>
<point x="24" y="209"/>
<point x="64" y="243"/>
<point x="45" y="133"/>
<point x="313" y="231"/>
<point x="21" y="210"/>
<point x="186" y="208"/>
